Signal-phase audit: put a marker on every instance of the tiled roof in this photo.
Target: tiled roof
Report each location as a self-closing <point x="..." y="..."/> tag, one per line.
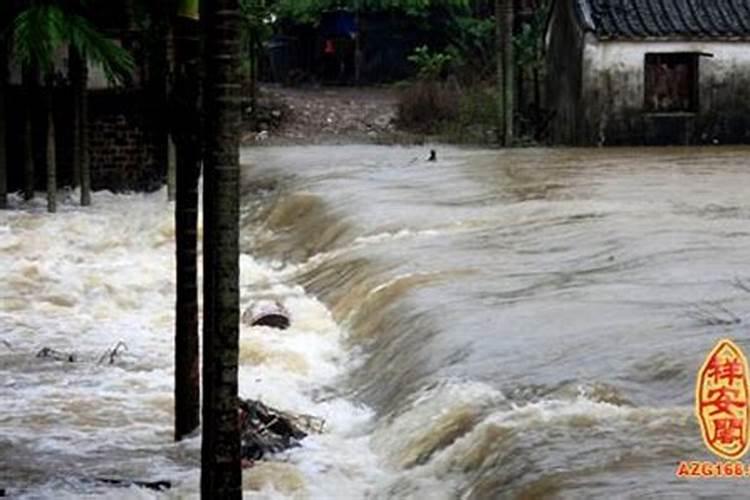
<point x="635" y="19"/>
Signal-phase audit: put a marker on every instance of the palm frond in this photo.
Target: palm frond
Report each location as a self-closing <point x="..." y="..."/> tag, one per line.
<point x="37" y="33"/>
<point x="116" y="62"/>
<point x="40" y="30"/>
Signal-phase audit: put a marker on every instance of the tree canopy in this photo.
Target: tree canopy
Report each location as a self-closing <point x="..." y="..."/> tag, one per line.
<point x="309" y="10"/>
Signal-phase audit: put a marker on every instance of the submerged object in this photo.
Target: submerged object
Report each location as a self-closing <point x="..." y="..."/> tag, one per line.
<point x="265" y="430"/>
<point x="127" y="483"/>
<point x="267" y="313"/>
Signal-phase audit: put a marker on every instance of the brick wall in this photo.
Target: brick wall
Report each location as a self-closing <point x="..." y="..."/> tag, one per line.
<point x="121" y="143"/>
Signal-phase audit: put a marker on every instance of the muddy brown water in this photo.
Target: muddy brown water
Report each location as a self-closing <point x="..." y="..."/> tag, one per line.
<point x="531" y="322"/>
<point x="520" y="324"/>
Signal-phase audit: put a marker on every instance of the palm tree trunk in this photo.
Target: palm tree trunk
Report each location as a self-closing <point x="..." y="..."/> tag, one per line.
<point x="3" y="130"/>
<point x="171" y="147"/>
<point x="83" y="97"/>
<point x="78" y="87"/>
<point x="51" y="153"/>
<point x="508" y="73"/>
<point x="30" y="76"/>
<point x="171" y="169"/>
<point x="158" y="86"/>
<point x="252" y="77"/>
<point x="186" y="130"/>
<point x="499" y="70"/>
<point x="220" y="455"/>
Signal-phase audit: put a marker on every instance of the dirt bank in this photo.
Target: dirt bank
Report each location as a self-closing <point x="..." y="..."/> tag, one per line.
<point x="326" y="115"/>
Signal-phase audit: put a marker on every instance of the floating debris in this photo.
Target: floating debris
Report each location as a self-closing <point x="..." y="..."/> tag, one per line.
<point x="741" y="284"/>
<point x="47" y="352"/>
<point x="713" y="314"/>
<point x="127" y="483"/>
<point x="112" y="353"/>
<point x="267" y="430"/>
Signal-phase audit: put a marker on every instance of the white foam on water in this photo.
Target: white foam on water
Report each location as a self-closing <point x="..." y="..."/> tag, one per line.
<point x="454" y="428"/>
<point x="80" y="281"/>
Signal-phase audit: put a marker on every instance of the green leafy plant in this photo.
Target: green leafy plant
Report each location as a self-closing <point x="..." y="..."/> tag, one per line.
<point x="471" y="47"/>
<point x="430" y="65"/>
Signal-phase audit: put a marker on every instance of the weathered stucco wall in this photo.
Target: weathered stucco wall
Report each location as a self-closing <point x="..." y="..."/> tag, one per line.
<point x="613" y="91"/>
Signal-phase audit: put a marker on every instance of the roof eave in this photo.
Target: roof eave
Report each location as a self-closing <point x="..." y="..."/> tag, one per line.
<point x="672" y="38"/>
<point x="583" y="14"/>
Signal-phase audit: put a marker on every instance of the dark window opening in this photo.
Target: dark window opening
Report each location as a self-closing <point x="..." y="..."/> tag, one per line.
<point x="671" y="82"/>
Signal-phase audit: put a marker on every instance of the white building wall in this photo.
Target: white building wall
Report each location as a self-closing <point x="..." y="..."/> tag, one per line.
<point x="625" y="60"/>
<point x="614" y="79"/>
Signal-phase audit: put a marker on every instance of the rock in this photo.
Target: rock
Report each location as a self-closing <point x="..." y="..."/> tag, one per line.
<point x="267" y="313"/>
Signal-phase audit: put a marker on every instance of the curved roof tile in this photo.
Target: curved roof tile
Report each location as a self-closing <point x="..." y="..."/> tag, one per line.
<point x="666" y="18"/>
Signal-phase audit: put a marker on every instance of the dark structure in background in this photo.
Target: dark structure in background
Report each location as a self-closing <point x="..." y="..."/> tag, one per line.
<point x="344" y="48"/>
<point x="649" y="71"/>
<point x="121" y="134"/>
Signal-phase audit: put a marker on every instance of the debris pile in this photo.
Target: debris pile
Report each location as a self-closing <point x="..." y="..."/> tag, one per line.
<point x="109" y="356"/>
<point x="267" y="430"/>
<point x="48" y="352"/>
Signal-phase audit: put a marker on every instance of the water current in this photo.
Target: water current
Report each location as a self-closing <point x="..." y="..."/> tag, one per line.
<point x="524" y="324"/>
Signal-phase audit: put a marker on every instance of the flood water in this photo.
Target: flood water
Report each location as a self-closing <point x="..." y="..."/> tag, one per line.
<point x="524" y="324"/>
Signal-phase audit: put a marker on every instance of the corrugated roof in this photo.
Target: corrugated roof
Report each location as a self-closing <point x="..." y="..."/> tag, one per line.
<point x="636" y="19"/>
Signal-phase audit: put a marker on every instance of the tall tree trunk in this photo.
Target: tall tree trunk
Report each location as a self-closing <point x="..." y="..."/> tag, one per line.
<point x="537" y="104"/>
<point x="499" y="9"/>
<point x="171" y="169"/>
<point x="3" y="129"/>
<point x="158" y="85"/>
<point x="30" y="79"/>
<point x="83" y="125"/>
<point x="78" y="86"/>
<point x="221" y="475"/>
<point x="508" y="71"/>
<point x="357" y="45"/>
<point x="51" y="149"/>
<point x="171" y="147"/>
<point x="252" y="77"/>
<point x="186" y="130"/>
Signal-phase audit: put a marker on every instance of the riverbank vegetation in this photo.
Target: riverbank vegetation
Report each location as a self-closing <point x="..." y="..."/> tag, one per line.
<point x="462" y="86"/>
<point x="466" y="70"/>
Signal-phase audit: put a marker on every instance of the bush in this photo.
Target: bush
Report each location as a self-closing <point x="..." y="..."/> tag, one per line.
<point x="425" y="106"/>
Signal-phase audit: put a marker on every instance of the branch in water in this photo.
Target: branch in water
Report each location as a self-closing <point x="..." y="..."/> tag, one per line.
<point x="112" y="353"/>
<point x="741" y="284"/>
<point x="713" y="314"/>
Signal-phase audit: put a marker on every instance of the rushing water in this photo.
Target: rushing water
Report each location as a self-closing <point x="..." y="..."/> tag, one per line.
<point x="520" y="324"/>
